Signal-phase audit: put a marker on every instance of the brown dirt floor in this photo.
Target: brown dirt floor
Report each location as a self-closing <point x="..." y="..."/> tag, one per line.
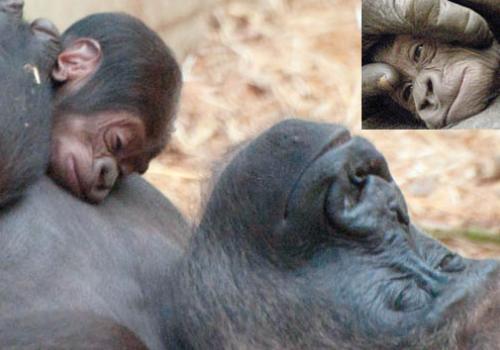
<point x="261" y="63"/>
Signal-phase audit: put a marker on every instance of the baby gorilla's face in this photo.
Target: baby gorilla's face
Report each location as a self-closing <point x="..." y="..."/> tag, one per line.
<point x="441" y="83"/>
<point x="91" y="153"/>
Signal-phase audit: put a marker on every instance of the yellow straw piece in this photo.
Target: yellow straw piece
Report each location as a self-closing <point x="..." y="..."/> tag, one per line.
<point x="34" y="70"/>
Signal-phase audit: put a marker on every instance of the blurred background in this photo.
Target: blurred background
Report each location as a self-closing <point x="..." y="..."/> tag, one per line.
<point x="250" y="63"/>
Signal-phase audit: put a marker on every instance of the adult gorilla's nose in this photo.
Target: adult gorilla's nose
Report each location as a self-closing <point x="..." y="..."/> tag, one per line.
<point x="45" y="29"/>
<point x="363" y="197"/>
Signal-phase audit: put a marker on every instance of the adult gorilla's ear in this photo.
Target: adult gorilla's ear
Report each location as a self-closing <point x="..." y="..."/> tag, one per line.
<point x="78" y="61"/>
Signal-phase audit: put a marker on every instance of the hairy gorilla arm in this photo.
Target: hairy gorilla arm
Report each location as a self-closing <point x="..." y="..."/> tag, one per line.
<point x="60" y="255"/>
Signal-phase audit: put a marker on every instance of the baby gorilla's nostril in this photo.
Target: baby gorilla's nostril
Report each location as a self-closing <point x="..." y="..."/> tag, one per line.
<point x="430" y="87"/>
<point x="107" y="173"/>
<point x="425" y="104"/>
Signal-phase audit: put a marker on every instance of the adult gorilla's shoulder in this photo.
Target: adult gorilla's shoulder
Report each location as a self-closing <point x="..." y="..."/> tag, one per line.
<point x="59" y="253"/>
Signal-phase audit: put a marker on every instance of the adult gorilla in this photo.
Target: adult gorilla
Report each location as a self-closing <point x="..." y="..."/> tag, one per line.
<point x="470" y="23"/>
<point x="305" y="243"/>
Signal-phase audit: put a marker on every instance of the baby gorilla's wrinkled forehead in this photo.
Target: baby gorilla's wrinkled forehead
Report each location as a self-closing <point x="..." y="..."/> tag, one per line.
<point x="441" y="83"/>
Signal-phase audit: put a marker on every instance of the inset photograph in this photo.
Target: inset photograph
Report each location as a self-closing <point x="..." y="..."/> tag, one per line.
<point x="431" y="64"/>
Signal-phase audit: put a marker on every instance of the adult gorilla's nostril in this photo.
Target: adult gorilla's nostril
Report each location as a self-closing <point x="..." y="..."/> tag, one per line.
<point x="401" y="213"/>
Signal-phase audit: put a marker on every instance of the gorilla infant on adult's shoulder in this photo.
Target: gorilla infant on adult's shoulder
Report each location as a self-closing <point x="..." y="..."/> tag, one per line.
<point x="306" y="243"/>
<point x="441" y="84"/>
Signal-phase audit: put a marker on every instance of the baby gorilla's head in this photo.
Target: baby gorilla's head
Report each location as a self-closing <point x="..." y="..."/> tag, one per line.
<point x="442" y="84"/>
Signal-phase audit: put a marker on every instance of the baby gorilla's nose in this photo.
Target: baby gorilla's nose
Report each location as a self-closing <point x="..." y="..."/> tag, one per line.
<point x="430" y="100"/>
<point x="106" y="173"/>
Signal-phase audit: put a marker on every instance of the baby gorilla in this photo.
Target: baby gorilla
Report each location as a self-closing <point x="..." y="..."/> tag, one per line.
<point x="441" y="84"/>
<point x="117" y="97"/>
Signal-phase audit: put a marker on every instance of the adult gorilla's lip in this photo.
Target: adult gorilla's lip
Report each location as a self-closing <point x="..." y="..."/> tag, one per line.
<point x="337" y="139"/>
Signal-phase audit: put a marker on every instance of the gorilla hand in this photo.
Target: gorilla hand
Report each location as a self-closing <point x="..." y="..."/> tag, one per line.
<point x="378" y="78"/>
<point x="442" y="19"/>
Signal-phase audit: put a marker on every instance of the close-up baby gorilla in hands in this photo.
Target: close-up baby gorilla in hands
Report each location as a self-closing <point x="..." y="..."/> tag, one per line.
<point x="441" y="84"/>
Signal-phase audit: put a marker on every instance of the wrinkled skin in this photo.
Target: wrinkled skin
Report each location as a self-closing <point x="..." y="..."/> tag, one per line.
<point x="442" y="84"/>
<point x="28" y="53"/>
<point x="316" y="250"/>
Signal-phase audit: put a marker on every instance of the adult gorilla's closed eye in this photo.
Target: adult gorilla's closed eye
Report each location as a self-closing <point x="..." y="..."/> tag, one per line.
<point x="306" y="244"/>
<point x="27" y="55"/>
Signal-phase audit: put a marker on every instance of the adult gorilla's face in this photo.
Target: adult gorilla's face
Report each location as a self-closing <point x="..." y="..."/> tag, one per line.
<point x="323" y="209"/>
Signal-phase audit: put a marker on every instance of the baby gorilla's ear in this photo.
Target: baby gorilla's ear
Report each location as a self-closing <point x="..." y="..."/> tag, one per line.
<point x="78" y="61"/>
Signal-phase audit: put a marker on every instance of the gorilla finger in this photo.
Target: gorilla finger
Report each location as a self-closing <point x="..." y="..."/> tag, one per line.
<point x="379" y="78"/>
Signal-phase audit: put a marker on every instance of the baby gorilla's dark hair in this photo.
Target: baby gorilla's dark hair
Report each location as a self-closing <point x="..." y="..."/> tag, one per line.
<point x="138" y="73"/>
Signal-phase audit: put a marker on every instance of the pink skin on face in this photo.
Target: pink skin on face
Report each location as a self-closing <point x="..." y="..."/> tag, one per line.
<point x="90" y="153"/>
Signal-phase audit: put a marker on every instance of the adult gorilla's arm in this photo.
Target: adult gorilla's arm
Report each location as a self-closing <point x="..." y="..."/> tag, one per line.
<point x="489" y="9"/>
<point x="443" y="19"/>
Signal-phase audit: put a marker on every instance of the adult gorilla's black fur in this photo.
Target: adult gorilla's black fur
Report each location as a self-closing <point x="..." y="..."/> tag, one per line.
<point x="306" y="244"/>
<point x="25" y="106"/>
